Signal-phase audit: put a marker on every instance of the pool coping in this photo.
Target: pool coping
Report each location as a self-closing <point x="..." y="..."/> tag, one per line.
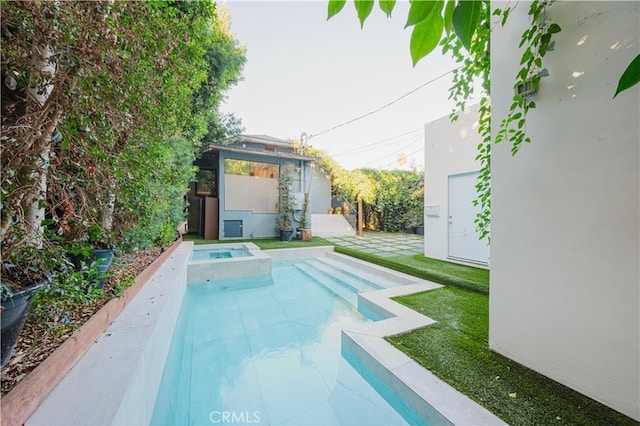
<point x="433" y="399"/>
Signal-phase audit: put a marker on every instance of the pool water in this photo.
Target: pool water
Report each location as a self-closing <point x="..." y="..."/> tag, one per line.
<point x="266" y="350"/>
<point x="219" y="253"/>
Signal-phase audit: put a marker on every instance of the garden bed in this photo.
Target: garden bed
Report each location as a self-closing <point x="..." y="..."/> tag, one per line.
<point x="45" y="352"/>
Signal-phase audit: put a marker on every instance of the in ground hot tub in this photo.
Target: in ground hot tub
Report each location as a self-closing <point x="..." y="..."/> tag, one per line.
<point x="215" y="262"/>
<point x="219" y="253"/>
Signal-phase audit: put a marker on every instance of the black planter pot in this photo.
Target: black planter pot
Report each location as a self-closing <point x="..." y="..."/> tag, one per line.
<point x="106" y="257"/>
<point x="286" y="234"/>
<point x="420" y="230"/>
<point x="13" y="315"/>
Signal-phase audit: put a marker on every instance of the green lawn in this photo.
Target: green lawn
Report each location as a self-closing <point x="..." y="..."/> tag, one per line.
<point x="456" y="350"/>
<point x="438" y="271"/>
<point x="263" y="243"/>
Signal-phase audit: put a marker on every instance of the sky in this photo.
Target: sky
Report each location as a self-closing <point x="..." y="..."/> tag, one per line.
<point x="307" y="74"/>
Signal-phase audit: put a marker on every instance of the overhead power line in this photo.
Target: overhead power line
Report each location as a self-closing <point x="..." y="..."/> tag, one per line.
<point x="408" y="155"/>
<point x="384" y="106"/>
<point x="364" y="147"/>
<point x="419" y="138"/>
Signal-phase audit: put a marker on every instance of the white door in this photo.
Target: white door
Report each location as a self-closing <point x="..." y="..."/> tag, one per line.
<point x="464" y="243"/>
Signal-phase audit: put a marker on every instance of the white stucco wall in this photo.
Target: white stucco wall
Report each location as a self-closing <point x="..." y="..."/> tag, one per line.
<point x="565" y="237"/>
<point x="450" y="149"/>
<point x="320" y="192"/>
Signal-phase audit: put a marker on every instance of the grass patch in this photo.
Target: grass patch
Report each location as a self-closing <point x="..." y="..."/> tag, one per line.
<point x="263" y="243"/>
<point x="438" y="271"/>
<point x="456" y="350"/>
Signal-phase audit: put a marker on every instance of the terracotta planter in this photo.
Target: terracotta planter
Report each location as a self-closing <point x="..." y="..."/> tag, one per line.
<point x="305" y="234"/>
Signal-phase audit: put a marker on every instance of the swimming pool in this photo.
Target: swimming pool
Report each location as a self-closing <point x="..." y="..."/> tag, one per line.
<point x="117" y="380"/>
<point x="266" y="350"/>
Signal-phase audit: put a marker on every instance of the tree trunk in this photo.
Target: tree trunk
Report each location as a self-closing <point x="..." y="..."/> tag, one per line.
<point x="39" y="91"/>
<point x="106" y="215"/>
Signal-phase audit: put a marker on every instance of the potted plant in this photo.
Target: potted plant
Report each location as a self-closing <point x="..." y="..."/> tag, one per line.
<point x="25" y="270"/>
<point x="305" y="231"/>
<point x="96" y="248"/>
<point x="286" y="203"/>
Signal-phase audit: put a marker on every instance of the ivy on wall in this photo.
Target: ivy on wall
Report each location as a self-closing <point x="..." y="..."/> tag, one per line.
<point x="462" y="28"/>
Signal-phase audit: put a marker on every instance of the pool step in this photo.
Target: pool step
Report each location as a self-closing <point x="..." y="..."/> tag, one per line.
<point x="344" y="275"/>
<point x="360" y="273"/>
<point x="349" y="294"/>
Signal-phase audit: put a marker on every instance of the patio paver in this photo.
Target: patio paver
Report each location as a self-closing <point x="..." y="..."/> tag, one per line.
<point x="384" y="245"/>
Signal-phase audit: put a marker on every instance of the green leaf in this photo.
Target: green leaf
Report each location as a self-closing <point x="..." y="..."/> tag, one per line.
<point x="419" y="11"/>
<point x="448" y="16"/>
<point x="630" y="77"/>
<point x="335" y="6"/>
<point x="465" y="20"/>
<point x="387" y="6"/>
<point x="554" y="28"/>
<point x="425" y="37"/>
<point x="364" y="8"/>
<point x="544" y="44"/>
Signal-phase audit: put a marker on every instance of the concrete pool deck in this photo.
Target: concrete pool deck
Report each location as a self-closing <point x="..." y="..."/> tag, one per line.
<point x="117" y="380"/>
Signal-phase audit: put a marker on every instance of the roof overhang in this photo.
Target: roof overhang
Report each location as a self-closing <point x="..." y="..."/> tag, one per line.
<point x="281" y="155"/>
<point x="260" y="139"/>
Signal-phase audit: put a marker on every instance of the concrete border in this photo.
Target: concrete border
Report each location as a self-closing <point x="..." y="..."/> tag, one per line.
<point x="23" y="400"/>
<point x="432" y="399"/>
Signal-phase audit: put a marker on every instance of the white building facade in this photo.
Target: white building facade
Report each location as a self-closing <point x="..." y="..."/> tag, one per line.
<point x="565" y="237"/>
<point x="450" y="176"/>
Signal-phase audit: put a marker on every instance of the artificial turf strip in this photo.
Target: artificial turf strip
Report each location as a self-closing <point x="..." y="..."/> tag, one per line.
<point x="263" y="243"/>
<point x="456" y="350"/>
<point x="438" y="271"/>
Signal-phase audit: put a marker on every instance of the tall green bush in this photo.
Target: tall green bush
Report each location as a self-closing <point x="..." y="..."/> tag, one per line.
<point x="100" y="136"/>
<point x="391" y="199"/>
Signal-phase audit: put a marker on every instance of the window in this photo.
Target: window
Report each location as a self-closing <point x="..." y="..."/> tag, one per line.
<point x="251" y="168"/>
<point x="250" y="186"/>
<point x="206" y="183"/>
